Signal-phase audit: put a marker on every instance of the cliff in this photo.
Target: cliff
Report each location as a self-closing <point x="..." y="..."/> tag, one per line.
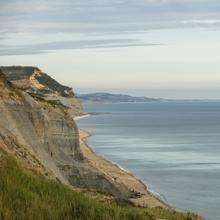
<point x="38" y="139"/>
<point x="45" y="136"/>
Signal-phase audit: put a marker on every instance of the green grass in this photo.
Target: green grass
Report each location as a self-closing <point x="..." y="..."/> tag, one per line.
<point x="25" y="195"/>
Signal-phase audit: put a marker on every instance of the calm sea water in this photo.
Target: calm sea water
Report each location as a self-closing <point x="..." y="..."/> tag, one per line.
<point x="173" y="147"/>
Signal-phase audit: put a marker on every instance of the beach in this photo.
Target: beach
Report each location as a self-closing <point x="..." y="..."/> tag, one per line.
<point x="114" y="172"/>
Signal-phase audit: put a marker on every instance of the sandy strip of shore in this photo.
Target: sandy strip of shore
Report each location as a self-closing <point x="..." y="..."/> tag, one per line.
<point x="114" y="172"/>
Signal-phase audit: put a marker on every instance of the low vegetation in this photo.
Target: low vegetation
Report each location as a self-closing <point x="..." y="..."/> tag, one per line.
<point x="25" y="195"/>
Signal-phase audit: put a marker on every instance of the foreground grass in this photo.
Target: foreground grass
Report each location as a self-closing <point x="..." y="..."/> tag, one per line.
<point x="26" y="196"/>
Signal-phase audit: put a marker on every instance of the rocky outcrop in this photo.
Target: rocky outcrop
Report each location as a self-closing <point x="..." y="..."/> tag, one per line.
<point x="45" y="135"/>
<point x="37" y="83"/>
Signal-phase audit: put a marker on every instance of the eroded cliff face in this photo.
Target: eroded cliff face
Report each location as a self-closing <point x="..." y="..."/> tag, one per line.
<point x="36" y="82"/>
<point x="44" y="136"/>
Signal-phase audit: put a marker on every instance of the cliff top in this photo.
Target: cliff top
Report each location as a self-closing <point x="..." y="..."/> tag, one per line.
<point x="39" y="84"/>
<point x="34" y="78"/>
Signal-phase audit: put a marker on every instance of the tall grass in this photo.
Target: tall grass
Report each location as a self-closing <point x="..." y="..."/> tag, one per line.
<point x="28" y="196"/>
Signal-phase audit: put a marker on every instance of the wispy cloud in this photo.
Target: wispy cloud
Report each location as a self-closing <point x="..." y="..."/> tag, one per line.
<point x="67" y="45"/>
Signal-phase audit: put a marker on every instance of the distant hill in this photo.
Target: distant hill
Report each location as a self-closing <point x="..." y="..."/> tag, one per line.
<point x="113" y="98"/>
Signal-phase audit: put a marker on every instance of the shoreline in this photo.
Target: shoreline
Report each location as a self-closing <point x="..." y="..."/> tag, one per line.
<point x="118" y="174"/>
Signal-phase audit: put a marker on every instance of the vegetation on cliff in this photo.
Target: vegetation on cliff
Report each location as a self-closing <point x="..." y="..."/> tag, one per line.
<point x="17" y="73"/>
<point x="35" y="82"/>
<point x="25" y="194"/>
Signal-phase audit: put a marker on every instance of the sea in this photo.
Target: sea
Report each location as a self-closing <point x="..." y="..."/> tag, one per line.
<point x="174" y="147"/>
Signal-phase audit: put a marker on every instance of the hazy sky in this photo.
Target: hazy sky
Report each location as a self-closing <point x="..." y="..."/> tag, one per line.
<point x="160" y="48"/>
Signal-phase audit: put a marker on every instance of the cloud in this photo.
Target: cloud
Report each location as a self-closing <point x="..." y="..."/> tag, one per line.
<point x="68" y="45"/>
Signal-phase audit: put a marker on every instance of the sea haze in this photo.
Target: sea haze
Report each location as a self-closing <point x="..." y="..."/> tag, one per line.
<point x="174" y="147"/>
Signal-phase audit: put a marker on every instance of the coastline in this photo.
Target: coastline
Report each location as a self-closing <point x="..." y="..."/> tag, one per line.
<point x="118" y="174"/>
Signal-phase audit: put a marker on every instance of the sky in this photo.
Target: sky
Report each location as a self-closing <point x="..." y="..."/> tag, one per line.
<point x="156" y="48"/>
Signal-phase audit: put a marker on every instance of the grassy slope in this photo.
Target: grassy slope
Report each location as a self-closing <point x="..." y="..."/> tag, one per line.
<point x="25" y="195"/>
